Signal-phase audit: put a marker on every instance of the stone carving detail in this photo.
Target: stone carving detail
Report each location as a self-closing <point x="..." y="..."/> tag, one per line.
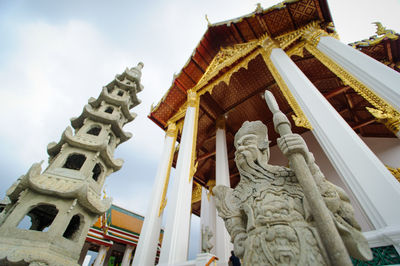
<point x="70" y="187"/>
<point x="206" y="236"/>
<point x="267" y="215"/>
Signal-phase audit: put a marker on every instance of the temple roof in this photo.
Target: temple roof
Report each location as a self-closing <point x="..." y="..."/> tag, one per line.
<point x="279" y="19"/>
<point x="118" y="225"/>
<point x="240" y="98"/>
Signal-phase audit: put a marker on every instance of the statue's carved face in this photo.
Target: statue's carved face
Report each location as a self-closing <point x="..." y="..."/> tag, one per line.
<point x="248" y="150"/>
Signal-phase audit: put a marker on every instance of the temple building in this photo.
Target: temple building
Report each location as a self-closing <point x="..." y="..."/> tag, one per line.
<point x="343" y="99"/>
<point x="114" y="236"/>
<point x="48" y="214"/>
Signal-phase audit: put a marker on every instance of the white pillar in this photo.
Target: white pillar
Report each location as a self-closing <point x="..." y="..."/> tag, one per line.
<point x="223" y="239"/>
<point x="176" y="237"/>
<point x="127" y="256"/>
<point x="208" y="215"/>
<point x="370" y="181"/>
<point x="101" y="256"/>
<point x="149" y="236"/>
<point x="383" y="80"/>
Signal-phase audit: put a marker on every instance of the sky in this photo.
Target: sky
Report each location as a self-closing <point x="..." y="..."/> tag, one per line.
<point x="55" y="55"/>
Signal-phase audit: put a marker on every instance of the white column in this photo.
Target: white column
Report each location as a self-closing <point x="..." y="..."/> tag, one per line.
<point x="147" y="247"/>
<point x="383" y="80"/>
<point x="223" y="239"/>
<point x="208" y="215"/>
<point x="175" y="243"/>
<point x="127" y="255"/>
<point x="101" y="256"/>
<point x="370" y="181"/>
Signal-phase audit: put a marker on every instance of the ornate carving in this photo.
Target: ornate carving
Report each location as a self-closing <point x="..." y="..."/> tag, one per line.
<point x="192" y="98"/>
<point x="311" y="31"/>
<point x="299" y="118"/>
<point x="374" y="40"/>
<point x="196" y="193"/>
<point x="298" y="50"/>
<point x="395" y="172"/>
<point x="227" y="75"/>
<point x="179" y="115"/>
<point x="171" y="130"/>
<point x="390" y="121"/>
<point x="267" y="215"/>
<point x="225" y="57"/>
<point x="380" y="104"/>
<point x="206" y="236"/>
<point x="211" y="185"/>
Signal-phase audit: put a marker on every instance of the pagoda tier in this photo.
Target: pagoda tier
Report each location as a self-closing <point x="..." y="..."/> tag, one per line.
<point x="66" y="196"/>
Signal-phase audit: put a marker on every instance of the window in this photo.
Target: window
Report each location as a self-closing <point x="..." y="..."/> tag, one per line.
<point x="109" y="110"/>
<point x="96" y="171"/>
<point x="95" y="130"/>
<point x="75" y="161"/>
<point x="120" y="93"/>
<point x="39" y="218"/>
<point x="73" y="229"/>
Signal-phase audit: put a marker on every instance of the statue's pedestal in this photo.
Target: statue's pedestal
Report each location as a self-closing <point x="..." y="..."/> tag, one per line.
<point x="203" y="258"/>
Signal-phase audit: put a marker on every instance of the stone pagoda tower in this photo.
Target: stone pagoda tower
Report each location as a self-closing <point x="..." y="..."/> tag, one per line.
<point x="64" y="201"/>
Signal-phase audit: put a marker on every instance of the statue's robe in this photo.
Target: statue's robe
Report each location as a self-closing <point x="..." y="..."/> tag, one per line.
<point x="270" y="223"/>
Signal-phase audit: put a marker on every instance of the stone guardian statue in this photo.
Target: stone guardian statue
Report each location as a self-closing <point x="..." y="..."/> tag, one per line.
<point x="268" y="216"/>
<point x="206" y="236"/>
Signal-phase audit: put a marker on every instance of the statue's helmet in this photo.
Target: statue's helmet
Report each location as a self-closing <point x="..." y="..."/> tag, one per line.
<point x="255" y="128"/>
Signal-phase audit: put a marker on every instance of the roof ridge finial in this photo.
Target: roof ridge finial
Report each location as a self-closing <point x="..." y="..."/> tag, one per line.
<point x="208" y="22"/>
<point x="259" y="8"/>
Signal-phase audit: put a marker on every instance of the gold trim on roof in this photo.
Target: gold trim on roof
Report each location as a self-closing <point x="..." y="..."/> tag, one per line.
<point x="385" y="109"/>
<point x="226" y="57"/>
<point x="374" y="40"/>
<point x="389" y="120"/>
<point x="178" y="115"/>
<point x="299" y="117"/>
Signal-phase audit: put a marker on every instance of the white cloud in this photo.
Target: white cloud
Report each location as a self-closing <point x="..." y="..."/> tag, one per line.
<point x="51" y="74"/>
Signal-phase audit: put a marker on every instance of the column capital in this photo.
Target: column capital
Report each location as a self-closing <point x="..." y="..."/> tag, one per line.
<point x="211" y="185"/>
<point x="313" y="34"/>
<point x="171" y="130"/>
<point x="220" y="122"/>
<point x="268" y="43"/>
<point x="192" y="98"/>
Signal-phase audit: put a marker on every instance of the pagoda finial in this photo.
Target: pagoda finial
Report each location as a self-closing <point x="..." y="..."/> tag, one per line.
<point x="259" y="8"/>
<point x="208" y="22"/>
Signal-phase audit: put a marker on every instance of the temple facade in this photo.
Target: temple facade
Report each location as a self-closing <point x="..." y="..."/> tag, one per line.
<point x="114" y="236"/>
<point x="48" y="214"/>
<point x="343" y="99"/>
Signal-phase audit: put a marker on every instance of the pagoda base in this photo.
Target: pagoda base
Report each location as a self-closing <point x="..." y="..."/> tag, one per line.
<point x="23" y="252"/>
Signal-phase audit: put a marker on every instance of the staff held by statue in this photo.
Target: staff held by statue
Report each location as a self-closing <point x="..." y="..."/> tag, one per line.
<point x="324" y="222"/>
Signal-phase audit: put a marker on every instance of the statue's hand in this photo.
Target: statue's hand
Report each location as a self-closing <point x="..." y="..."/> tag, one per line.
<point x="293" y="143"/>
<point x="238" y="244"/>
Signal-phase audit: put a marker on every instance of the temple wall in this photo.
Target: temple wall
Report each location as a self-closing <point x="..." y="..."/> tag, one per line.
<point x="387" y="150"/>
